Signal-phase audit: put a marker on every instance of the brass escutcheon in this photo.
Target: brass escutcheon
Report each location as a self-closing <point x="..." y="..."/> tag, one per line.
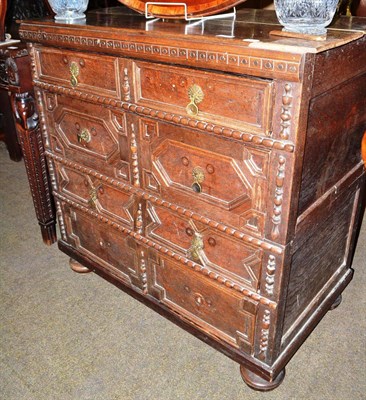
<point x="195" y="95"/>
<point x="196" y="247"/>
<point x="84" y="136"/>
<point x="198" y="177"/>
<point x="74" y="71"/>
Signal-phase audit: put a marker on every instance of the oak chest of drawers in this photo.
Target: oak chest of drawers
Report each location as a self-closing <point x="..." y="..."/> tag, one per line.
<point x="215" y="176"/>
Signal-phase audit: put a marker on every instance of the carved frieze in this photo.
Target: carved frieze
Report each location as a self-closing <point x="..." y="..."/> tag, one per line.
<point x="255" y="64"/>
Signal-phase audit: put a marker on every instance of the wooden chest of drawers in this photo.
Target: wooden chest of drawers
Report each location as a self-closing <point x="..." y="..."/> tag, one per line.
<point x="217" y="178"/>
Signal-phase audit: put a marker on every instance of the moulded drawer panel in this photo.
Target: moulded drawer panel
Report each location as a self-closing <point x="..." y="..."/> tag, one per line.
<point x="110" y="248"/>
<point x="204" y="302"/>
<point x="245" y="103"/>
<point x="221" y="253"/>
<point x="89" y="134"/>
<point x="205" y="174"/>
<point x="95" y="194"/>
<point x="76" y="70"/>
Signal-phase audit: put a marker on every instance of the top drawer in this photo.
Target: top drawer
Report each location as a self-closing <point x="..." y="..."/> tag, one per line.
<point x="81" y="71"/>
<point x="240" y="102"/>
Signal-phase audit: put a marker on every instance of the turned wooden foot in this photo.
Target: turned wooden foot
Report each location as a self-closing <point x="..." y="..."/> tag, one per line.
<point x="256" y="382"/>
<point x="336" y="303"/>
<point x="77" y="267"/>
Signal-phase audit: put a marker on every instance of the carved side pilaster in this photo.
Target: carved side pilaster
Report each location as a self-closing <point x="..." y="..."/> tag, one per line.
<point x="134" y="158"/>
<point x="126" y="86"/>
<point x="139" y="224"/>
<point x="31" y="52"/>
<point x="264" y="336"/>
<point x="143" y="272"/>
<point x="27" y="121"/>
<point x="278" y="200"/>
<point x="286" y="112"/>
<point x="270" y="275"/>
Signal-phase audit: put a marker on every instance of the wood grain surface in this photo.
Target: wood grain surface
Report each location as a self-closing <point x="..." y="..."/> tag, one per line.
<point x="176" y="10"/>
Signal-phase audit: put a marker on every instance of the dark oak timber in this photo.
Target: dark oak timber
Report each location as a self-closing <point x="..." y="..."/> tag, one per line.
<point x="257" y="383"/>
<point x="214" y="173"/>
<point x="23" y="133"/>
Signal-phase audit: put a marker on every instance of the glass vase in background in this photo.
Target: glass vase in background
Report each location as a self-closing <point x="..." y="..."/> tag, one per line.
<point x="69" y="10"/>
<point x="309" y="17"/>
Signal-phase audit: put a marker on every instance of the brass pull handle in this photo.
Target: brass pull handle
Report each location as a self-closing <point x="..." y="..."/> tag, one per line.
<point x="198" y="177"/>
<point x="74" y="71"/>
<point x="195" y="95"/>
<point x="84" y="136"/>
<point x="196" y="247"/>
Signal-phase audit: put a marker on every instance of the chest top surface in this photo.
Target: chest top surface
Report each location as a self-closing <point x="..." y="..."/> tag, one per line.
<point x="243" y="44"/>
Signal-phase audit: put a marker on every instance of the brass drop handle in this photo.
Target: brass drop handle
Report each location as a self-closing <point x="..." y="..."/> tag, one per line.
<point x="196" y="247"/>
<point x="198" y="175"/>
<point x="84" y="136"/>
<point x="196" y="96"/>
<point x="94" y="196"/>
<point x="74" y="71"/>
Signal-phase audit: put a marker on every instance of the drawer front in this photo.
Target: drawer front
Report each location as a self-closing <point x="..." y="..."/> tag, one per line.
<point x="89" y="134"/>
<point x="97" y="195"/>
<point x="226" y="100"/>
<point x="219" y="252"/>
<point x="214" y="177"/>
<point x="215" y="309"/>
<point x="87" y="72"/>
<point x="111" y="249"/>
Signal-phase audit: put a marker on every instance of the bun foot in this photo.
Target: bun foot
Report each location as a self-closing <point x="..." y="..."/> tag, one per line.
<point x="77" y="267"/>
<point x="336" y="303"/>
<point x="256" y="382"/>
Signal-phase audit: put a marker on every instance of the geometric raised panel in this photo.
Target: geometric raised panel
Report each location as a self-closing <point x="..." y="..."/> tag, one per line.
<point x="119" y="122"/>
<point x="253" y="220"/>
<point x="97" y="195"/>
<point x="149" y="129"/>
<point x="150" y="181"/>
<point x="51" y="101"/>
<point x="102" y="144"/>
<point x="257" y="161"/>
<point x="198" y="299"/>
<point x="227" y="182"/>
<point x="103" y="245"/>
<point x="116" y="204"/>
<point x="175" y="162"/>
<point x="122" y="170"/>
<point x="218" y="252"/>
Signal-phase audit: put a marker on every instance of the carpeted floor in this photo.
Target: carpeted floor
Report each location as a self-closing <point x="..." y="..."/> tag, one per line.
<point x="69" y="336"/>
